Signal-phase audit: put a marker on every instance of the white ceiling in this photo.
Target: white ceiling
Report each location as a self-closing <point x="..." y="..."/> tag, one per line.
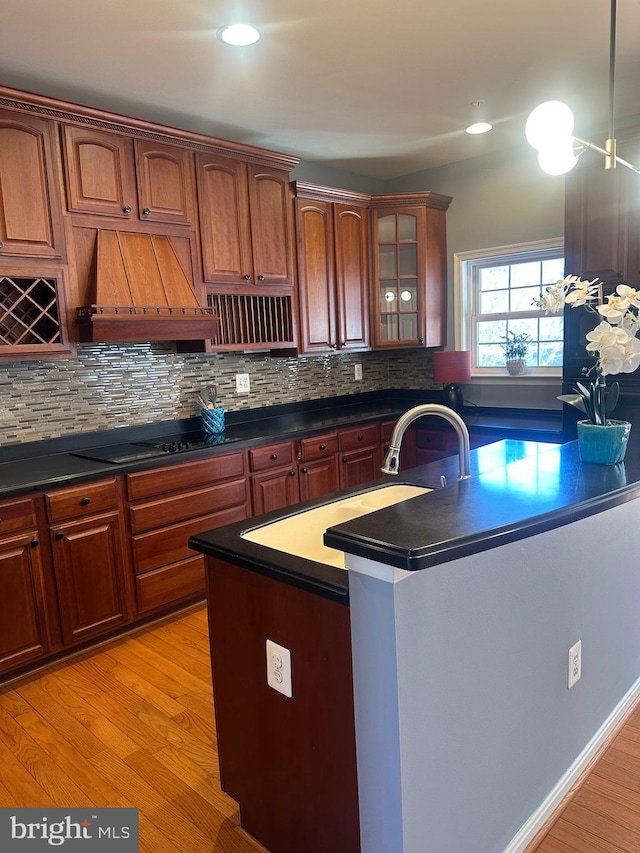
<point x="380" y="88"/>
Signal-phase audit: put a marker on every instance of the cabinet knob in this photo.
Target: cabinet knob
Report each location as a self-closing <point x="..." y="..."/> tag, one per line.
<point x="260" y="278"/>
<point x="85" y="501"/>
<point x="146" y="211"/>
<point x="344" y="459"/>
<point x="305" y="470"/>
<point x="247" y="277"/>
<point x="323" y="447"/>
<point x="126" y="208"/>
<point x="333" y="346"/>
<point x="420" y="340"/>
<point x="35" y="543"/>
<point x="292" y="473"/>
<point x="274" y="456"/>
<point x="360" y="437"/>
<point x="59" y="535"/>
<point x="1" y="244"/>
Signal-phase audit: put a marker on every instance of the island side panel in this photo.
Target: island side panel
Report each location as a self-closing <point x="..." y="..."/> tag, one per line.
<point x="289" y="762"/>
<point x="488" y="726"/>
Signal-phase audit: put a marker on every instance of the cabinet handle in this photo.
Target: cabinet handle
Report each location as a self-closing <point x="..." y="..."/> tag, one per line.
<point x="274" y="456"/>
<point x="247" y="277"/>
<point x="260" y="278"/>
<point x="35" y="543"/>
<point x="323" y="447"/>
<point x="146" y="211"/>
<point x="59" y="535"/>
<point x="126" y="208"/>
<point x="292" y="473"/>
<point x="85" y="501"/>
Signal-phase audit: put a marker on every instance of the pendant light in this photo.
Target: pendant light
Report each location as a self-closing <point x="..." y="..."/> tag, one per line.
<point x="549" y="128"/>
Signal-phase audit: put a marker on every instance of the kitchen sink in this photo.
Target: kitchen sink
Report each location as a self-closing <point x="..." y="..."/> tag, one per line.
<point x="301" y="533"/>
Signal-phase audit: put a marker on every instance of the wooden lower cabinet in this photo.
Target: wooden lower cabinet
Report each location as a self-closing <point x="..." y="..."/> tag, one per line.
<point x="274" y="477"/>
<point x="166" y="507"/>
<point x="359" y="455"/>
<point x="24" y="636"/>
<point x="290" y="763"/>
<point x="88" y="558"/>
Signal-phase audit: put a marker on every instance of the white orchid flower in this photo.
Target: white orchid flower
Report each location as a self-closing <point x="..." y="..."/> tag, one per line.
<point x="605" y="335"/>
<point x="611" y="360"/>
<point x="582" y="292"/>
<point x="631" y="356"/>
<point x="630" y="294"/>
<point x="615" y="309"/>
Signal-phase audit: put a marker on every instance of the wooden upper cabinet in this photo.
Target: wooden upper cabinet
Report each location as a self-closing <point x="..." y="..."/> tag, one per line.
<point x="316" y="276"/>
<point x="333" y="270"/>
<point x="30" y="208"/>
<point x="271" y="227"/>
<point x="118" y="176"/>
<point x="351" y="231"/>
<point x="602" y="217"/>
<point x="165" y="183"/>
<point x="245" y="223"/>
<point x="409" y="269"/>
<point x="99" y="172"/>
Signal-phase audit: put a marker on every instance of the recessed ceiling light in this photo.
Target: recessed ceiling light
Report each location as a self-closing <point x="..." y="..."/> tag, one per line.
<point x="239" y="35"/>
<point x="480" y="127"/>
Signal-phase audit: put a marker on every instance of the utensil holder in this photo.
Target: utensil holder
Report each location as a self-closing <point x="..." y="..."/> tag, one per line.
<point x="212" y="420"/>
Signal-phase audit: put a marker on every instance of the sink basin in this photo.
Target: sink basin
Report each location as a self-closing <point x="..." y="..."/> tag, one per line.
<point x="301" y="534"/>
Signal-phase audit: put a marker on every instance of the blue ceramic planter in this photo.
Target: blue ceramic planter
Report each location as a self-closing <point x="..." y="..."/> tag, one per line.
<point x="605" y="445"/>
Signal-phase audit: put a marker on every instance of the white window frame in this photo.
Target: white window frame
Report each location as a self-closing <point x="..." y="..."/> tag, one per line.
<point x="463" y="306"/>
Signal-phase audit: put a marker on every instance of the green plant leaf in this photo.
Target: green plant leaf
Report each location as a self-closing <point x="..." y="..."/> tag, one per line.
<point x="574" y="400"/>
<point x="612" y="398"/>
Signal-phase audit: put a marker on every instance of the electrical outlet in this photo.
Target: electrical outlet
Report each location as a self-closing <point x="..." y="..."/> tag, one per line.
<point x="243" y="383"/>
<point x="279" y="668"/>
<point x="357" y="373"/>
<point x="575" y="663"/>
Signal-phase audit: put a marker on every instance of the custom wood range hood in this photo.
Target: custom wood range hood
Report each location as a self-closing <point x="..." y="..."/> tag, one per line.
<point x="142" y="293"/>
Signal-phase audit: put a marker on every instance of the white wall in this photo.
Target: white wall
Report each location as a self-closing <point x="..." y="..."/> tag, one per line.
<point x="480" y="719"/>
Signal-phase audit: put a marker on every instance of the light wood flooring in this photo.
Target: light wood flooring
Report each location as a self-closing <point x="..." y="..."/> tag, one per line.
<point x="132" y="724"/>
<point x="129" y="724"/>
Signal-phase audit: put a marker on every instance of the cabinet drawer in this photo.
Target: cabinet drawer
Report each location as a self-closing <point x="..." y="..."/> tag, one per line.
<point x="362" y="436"/>
<point x="318" y="447"/>
<point x="168" y="545"/>
<point x="16" y="515"/>
<point x="436" y="439"/>
<point x="274" y="456"/>
<point x="80" y="501"/>
<point x="166" y="511"/>
<point x="204" y="472"/>
<point x="163" y="587"/>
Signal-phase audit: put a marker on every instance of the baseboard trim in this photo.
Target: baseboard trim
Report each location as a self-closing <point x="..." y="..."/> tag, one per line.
<point x="570" y="781"/>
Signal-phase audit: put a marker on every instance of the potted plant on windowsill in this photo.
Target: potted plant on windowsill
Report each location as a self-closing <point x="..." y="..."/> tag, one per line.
<point x="516" y="347"/>
<point x="617" y="349"/>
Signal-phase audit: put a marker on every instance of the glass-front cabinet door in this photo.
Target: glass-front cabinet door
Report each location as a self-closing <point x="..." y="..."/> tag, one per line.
<point x="409" y="269"/>
<point x="399" y="311"/>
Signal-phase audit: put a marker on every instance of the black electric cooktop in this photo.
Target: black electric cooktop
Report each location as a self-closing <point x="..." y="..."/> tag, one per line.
<point x="140" y="450"/>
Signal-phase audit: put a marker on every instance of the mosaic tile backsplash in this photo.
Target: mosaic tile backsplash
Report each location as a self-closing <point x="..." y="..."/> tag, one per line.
<point x="108" y="385"/>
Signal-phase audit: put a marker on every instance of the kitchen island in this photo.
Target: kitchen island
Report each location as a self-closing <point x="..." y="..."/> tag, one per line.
<point x="463" y="604"/>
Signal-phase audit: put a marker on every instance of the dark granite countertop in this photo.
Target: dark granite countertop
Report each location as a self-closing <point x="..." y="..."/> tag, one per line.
<point x="38" y="465"/>
<point x="517" y="489"/>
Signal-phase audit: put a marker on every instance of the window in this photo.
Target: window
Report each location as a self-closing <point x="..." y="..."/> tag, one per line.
<point x="496" y="290"/>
